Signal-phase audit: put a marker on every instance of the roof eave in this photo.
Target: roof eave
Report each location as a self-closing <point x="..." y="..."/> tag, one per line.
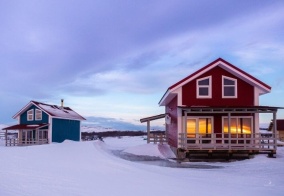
<point x="227" y="66"/>
<point x="23" y="109"/>
<point x="163" y="99"/>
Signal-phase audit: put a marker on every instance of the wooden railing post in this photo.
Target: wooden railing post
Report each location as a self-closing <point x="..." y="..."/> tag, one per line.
<point x="148" y="132"/>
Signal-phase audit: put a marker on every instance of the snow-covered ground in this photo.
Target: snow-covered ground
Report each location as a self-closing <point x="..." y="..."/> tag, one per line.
<point x="91" y="168"/>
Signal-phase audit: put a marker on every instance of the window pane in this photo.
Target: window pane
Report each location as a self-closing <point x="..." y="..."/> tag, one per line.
<point x="30" y="114"/>
<point x="204" y="82"/>
<point x="203" y="91"/>
<point x="229" y="82"/>
<point x="233" y="125"/>
<point x="205" y="126"/>
<point x="38" y="115"/>
<point x="229" y="91"/>
<point x="191" y="126"/>
<point x="246" y="126"/>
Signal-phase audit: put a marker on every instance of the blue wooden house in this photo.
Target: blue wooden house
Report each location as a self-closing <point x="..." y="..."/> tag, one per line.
<point x="40" y="123"/>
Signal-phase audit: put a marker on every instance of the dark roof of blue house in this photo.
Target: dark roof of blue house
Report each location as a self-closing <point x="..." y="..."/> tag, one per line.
<point x="53" y="111"/>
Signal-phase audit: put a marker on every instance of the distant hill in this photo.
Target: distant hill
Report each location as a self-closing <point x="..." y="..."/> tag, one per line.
<point x="96" y="129"/>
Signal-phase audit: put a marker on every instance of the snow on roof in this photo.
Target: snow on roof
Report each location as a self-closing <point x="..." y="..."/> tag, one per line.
<point x="53" y="110"/>
<point x="58" y="111"/>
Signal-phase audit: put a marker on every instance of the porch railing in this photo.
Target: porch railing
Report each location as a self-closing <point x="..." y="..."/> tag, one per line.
<point x="17" y="142"/>
<point x="157" y="138"/>
<point x="219" y="141"/>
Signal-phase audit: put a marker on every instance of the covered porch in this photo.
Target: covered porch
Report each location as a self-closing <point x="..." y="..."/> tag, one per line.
<point x="155" y="137"/>
<point x="239" y="130"/>
<point x="33" y="134"/>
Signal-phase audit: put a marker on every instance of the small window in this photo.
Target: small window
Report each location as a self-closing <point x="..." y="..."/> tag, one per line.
<point x="229" y="87"/>
<point x="38" y="114"/>
<point x="204" y="87"/>
<point x="30" y="115"/>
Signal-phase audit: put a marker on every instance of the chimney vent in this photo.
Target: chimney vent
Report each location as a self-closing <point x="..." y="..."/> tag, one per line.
<point x="62" y="103"/>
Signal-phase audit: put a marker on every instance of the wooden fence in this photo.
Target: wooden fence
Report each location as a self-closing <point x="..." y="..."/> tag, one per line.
<point x="157" y="138"/>
<point x="28" y="142"/>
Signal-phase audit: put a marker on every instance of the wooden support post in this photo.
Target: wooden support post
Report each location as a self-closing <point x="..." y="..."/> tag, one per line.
<point x="20" y="137"/>
<point x="37" y="136"/>
<point x="148" y="132"/>
<point x="184" y="131"/>
<point x="26" y="136"/>
<point x="274" y="132"/>
<point x="229" y="130"/>
<point x="6" y="137"/>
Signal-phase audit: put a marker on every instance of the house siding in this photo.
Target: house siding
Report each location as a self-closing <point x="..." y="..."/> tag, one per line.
<point x="65" y="129"/>
<point x="24" y="120"/>
<point x="189" y="91"/>
<point x="171" y="109"/>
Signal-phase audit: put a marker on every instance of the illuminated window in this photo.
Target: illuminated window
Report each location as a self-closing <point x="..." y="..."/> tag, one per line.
<point x="203" y="87"/>
<point x="38" y="114"/>
<point x="199" y="125"/>
<point x="239" y="125"/>
<point x="30" y="115"/>
<point x="229" y="89"/>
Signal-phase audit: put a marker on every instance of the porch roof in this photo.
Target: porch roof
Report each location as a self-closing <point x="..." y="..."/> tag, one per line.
<point x="26" y="127"/>
<point x="230" y="109"/>
<point x="156" y="117"/>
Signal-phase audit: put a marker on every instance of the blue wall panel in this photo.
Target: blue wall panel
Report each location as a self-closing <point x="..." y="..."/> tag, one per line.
<point x="65" y="129"/>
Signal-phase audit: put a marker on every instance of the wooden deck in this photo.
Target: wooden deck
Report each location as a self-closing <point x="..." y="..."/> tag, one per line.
<point x="228" y="143"/>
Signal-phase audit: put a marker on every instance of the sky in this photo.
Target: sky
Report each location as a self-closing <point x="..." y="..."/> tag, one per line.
<point x="113" y="60"/>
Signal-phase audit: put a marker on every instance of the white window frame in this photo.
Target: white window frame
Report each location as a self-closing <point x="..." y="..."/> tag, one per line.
<point x="36" y="111"/>
<point x="238" y="117"/>
<point x="197" y="125"/>
<point x="235" y="86"/>
<point x="204" y="86"/>
<point x="197" y="119"/>
<point x="30" y="115"/>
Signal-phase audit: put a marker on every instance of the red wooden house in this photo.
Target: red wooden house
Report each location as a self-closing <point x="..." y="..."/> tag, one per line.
<point x="216" y="109"/>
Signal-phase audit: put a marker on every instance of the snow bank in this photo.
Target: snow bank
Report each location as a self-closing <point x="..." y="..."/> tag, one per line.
<point x="155" y="150"/>
<point x="89" y="168"/>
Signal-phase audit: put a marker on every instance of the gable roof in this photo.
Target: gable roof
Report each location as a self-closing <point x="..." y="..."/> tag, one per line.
<point x="53" y="111"/>
<point x="264" y="88"/>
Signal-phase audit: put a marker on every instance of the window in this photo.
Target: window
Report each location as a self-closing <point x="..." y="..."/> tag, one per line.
<point x="201" y="126"/>
<point x="30" y="115"/>
<point x="239" y="125"/>
<point x="229" y="87"/>
<point x="38" y="114"/>
<point x="203" y="87"/>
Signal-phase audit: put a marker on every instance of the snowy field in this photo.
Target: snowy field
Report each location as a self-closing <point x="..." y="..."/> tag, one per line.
<point x="91" y="168"/>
